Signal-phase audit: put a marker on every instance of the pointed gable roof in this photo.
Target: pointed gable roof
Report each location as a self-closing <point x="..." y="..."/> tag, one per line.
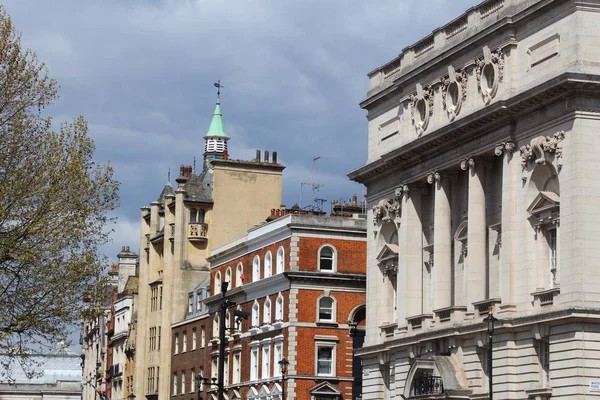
<point x="168" y="189"/>
<point x="325" y="389"/>
<point x="389" y="250"/>
<point x="544" y="201"/>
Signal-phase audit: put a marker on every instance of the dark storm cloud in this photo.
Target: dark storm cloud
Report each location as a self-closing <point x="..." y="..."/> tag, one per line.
<point x="294" y="72"/>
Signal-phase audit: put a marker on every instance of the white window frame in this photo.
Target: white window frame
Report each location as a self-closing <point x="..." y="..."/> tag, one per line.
<point x="333" y="318"/>
<point x="268" y="267"/>
<point x="182" y="382"/>
<point x="214" y="367"/>
<point x="279" y="308"/>
<point x="333" y="347"/>
<point x="280" y="263"/>
<point x="194" y="339"/>
<point x="237" y="365"/>
<point x="256" y="269"/>
<point x="175" y="383"/>
<point x="265" y="370"/>
<point x="176" y="350"/>
<point x="190" y="304"/>
<point x="226" y="370"/>
<point x="551" y="236"/>
<point x="193" y="381"/>
<point x="333" y="258"/>
<point x="202" y="336"/>
<point x="254" y="361"/>
<point x="217" y="282"/>
<point x="277" y="356"/>
<point x="267" y="311"/>
<point x="216" y="326"/>
<point x="239" y="272"/>
<point x="184" y="341"/>
<point x="228" y="277"/>
<point x="255" y="322"/>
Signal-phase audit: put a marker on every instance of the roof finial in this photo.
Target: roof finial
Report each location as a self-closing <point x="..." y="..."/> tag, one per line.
<point x="169" y="176"/>
<point x="194" y="164"/>
<point x="218" y="86"/>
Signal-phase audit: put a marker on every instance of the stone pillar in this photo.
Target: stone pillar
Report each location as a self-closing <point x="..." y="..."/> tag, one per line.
<point x="154" y="218"/>
<point x="477" y="235"/>
<point x="442" y="243"/>
<point x="411" y="256"/>
<point x="510" y="177"/>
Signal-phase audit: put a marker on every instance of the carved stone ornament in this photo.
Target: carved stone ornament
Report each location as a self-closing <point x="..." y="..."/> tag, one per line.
<point x="433" y="177"/>
<point x="454" y="91"/>
<point x="489" y="71"/>
<point x="540" y="148"/>
<point x="467" y="163"/>
<point x="421" y="108"/>
<point x="505" y="147"/>
<point x="389" y="209"/>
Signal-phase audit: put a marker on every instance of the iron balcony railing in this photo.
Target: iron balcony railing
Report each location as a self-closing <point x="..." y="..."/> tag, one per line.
<point x="426" y="384"/>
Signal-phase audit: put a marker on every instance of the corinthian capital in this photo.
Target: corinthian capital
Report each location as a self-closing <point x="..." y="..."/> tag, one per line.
<point x="433" y="177"/>
<point x="467" y="163"/>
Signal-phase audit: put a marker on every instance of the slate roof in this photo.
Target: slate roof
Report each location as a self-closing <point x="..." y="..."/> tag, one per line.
<point x="168" y="189"/>
<point x="199" y="187"/>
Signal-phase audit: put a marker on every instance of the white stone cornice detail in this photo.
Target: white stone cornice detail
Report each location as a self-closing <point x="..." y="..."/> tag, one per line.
<point x="467" y="163"/>
<point x="389" y="209"/>
<point x="433" y="177"/>
<point x="489" y="71"/>
<point x="540" y="148"/>
<point x="421" y="108"/>
<point x="505" y="148"/>
<point x="454" y="91"/>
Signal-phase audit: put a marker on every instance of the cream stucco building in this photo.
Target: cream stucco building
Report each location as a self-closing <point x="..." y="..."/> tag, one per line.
<point x="178" y="229"/>
<point x="482" y="175"/>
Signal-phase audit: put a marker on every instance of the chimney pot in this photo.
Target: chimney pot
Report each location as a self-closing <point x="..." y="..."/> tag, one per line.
<point x="181" y="170"/>
<point x="225" y="155"/>
<point x="354" y="199"/>
<point x="274" y="157"/>
<point x="266" y="156"/>
<point x="257" y="155"/>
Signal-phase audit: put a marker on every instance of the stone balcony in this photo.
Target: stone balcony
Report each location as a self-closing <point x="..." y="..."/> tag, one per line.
<point x="197" y="232"/>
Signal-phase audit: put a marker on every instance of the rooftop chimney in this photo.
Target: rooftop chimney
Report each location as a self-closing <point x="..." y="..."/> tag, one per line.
<point x="257" y="155"/>
<point x="266" y="156"/>
<point x="274" y="158"/>
<point x="354" y="199"/>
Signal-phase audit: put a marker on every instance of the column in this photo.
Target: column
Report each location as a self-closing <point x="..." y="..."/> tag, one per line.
<point x="411" y="262"/>
<point x="476" y="236"/>
<point x="510" y="177"/>
<point x="442" y="243"/>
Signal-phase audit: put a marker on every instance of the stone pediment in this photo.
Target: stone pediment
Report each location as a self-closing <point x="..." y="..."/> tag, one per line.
<point x="388" y="252"/>
<point x="325" y="389"/>
<point x="544" y="201"/>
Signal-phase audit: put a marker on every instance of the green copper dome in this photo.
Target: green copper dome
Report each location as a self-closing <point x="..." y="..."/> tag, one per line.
<point x="216" y="128"/>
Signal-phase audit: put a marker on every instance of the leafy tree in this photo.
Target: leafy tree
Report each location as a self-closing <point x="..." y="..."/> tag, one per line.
<point x="54" y="205"/>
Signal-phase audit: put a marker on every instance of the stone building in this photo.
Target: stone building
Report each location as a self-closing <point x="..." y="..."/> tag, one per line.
<point x="179" y="228"/>
<point x="301" y="279"/>
<point x="59" y="377"/>
<point x="481" y="175"/>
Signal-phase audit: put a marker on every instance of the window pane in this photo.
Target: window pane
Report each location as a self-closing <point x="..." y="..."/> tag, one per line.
<point x="326" y="259"/>
<point x="324" y="361"/>
<point x="326" y="308"/>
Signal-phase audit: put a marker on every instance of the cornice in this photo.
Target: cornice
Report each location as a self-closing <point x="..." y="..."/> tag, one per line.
<point x="477" y="124"/>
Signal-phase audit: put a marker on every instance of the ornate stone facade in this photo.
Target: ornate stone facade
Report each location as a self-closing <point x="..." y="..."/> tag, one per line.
<point x="514" y="232"/>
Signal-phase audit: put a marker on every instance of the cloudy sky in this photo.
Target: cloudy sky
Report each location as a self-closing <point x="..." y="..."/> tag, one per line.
<point x="142" y="73"/>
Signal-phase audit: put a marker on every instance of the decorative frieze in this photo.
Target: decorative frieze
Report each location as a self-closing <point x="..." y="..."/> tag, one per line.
<point x="454" y="91"/>
<point x="540" y="149"/>
<point x="489" y="71"/>
<point x="421" y="107"/>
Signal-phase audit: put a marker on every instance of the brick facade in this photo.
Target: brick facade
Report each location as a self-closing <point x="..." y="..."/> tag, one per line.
<point x="291" y="327"/>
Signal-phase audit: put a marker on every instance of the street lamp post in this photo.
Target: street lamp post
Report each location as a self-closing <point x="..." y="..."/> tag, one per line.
<point x="490" y="321"/>
<point x="201" y="381"/>
<point x="283" y="365"/>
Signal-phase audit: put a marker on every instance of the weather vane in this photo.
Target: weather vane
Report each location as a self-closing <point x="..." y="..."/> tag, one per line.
<point x="218" y="86"/>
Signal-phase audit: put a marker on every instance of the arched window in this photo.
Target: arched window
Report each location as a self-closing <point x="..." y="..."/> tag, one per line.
<point x="280" y="260"/>
<point x="255" y="316"/>
<point x="279" y="308"/>
<point x="227" y="321"/>
<point x="216" y="327"/>
<point x="268" y="265"/>
<point x="192" y="215"/>
<point x="327" y="259"/>
<point x="267" y="311"/>
<point x="326" y="310"/>
<point x="201" y="214"/>
<point x="256" y="269"/>
<point x="239" y="275"/>
<point x="217" y="283"/>
<point x="228" y="275"/>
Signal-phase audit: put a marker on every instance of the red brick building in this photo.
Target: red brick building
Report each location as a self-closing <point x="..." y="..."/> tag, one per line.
<point x="301" y="278"/>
